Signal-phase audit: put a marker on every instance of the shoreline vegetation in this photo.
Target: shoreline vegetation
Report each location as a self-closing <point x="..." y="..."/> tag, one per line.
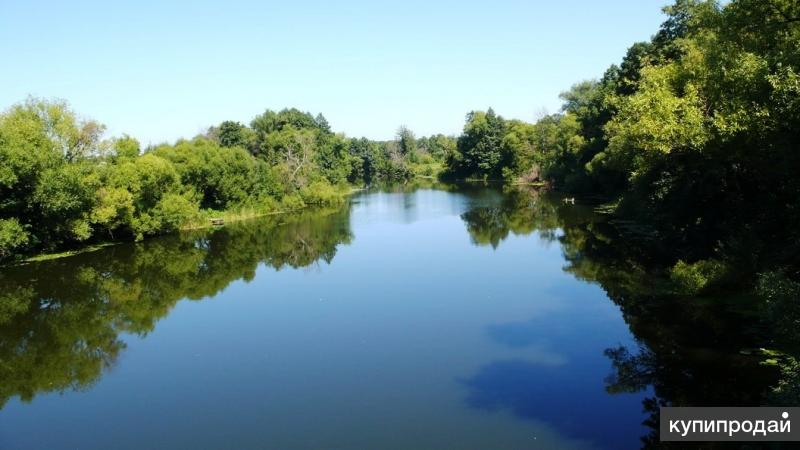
<point x="62" y="187"/>
<point x="231" y="216"/>
<point x="692" y="138"/>
<point x="199" y="223"/>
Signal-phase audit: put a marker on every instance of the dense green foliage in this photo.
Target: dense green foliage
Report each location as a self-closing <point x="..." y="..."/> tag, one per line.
<point x="694" y="135"/>
<point x="492" y="147"/>
<point x="62" y="186"/>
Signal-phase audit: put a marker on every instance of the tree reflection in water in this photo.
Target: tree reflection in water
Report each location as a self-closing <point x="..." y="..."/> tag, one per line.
<point x="60" y="320"/>
<point x="692" y="351"/>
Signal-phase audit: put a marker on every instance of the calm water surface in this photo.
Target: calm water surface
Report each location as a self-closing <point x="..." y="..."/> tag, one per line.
<point x="424" y="319"/>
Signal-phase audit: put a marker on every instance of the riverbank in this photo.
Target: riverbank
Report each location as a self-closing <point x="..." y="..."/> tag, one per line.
<point x="205" y="222"/>
<point x="291" y="204"/>
<point x="208" y="217"/>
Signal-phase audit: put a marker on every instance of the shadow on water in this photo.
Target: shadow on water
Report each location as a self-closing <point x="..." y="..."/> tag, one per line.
<point x="61" y="320"/>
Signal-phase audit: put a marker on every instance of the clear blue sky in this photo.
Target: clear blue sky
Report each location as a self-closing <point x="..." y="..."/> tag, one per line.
<point x="159" y="70"/>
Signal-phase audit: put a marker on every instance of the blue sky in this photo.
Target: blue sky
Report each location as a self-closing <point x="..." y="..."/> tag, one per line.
<point x="159" y="70"/>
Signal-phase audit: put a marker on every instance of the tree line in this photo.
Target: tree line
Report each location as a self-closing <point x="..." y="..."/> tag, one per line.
<point x="693" y="138"/>
<point x="62" y="185"/>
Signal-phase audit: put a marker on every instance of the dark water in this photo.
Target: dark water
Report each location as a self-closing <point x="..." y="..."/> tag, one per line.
<point x="420" y="318"/>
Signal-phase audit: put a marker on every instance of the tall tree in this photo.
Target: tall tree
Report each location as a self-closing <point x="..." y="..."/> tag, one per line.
<point x="480" y="145"/>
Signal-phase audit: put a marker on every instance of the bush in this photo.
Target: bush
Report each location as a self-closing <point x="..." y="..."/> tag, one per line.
<point x="425" y="158"/>
<point x="320" y="193"/>
<point x="13" y="238"/>
<point x="692" y="279"/>
<point x="292" y="202"/>
<point x="781" y="297"/>
<point x="224" y="177"/>
<point x="173" y="211"/>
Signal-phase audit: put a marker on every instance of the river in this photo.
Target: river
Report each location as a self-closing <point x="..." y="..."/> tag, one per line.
<point x="425" y="318"/>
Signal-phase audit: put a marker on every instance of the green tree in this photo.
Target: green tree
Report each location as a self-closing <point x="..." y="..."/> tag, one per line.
<point x="232" y="134"/>
<point x="479" y="147"/>
<point x="47" y="183"/>
<point x="13" y="237"/>
<point x="126" y="147"/>
<point x="406" y="141"/>
<point x="438" y="146"/>
<point x="322" y="123"/>
<point x="224" y="177"/>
